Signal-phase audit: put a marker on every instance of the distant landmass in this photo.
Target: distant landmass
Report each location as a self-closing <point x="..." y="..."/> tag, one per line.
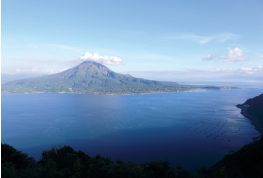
<point x="94" y="78"/>
<point x="11" y="77"/>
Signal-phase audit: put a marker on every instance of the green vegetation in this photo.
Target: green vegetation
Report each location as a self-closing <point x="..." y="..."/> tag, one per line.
<point x="255" y="108"/>
<point x="245" y="163"/>
<point x="65" y="162"/>
<point x="94" y="78"/>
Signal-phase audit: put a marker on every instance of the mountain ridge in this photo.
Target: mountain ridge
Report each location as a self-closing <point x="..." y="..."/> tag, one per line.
<point x="94" y="78"/>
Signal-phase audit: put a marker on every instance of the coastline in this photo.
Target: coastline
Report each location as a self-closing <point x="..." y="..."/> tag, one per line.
<point x="150" y="92"/>
<point x="254" y="122"/>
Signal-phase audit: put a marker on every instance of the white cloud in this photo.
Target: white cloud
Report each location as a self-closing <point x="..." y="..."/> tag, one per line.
<point x="236" y="54"/>
<point x="53" y="71"/>
<point x="239" y="74"/>
<point x="36" y="70"/>
<point x="151" y="57"/>
<point x="220" y="37"/>
<point x="64" y="47"/>
<point x="41" y="61"/>
<point x="196" y="38"/>
<point x="259" y="67"/>
<point x="56" y="46"/>
<point x="193" y="37"/>
<point x="254" y="70"/>
<point x="208" y="58"/>
<point x="223" y="37"/>
<point x="101" y="59"/>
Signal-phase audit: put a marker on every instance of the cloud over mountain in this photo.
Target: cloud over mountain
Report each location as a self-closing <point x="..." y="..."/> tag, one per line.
<point x="110" y="60"/>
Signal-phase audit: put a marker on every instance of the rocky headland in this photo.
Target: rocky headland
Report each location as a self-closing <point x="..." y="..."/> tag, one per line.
<point x="253" y="110"/>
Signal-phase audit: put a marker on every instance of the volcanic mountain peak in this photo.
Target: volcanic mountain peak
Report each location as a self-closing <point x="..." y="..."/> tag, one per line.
<point x="89" y="65"/>
<point x="92" y="66"/>
<point x="87" y="68"/>
<point x="94" y="78"/>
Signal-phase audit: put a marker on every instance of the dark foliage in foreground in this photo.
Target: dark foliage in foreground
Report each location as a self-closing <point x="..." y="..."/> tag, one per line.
<point x="247" y="162"/>
<point x="65" y="162"/>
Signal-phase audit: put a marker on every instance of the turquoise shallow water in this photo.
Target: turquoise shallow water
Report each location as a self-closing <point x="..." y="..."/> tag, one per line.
<point x="188" y="128"/>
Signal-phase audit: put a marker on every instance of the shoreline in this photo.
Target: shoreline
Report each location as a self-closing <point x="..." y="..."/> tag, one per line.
<point x="152" y="92"/>
<point x="254" y="122"/>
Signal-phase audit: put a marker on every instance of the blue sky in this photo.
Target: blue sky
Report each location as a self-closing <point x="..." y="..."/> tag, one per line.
<point x="162" y="40"/>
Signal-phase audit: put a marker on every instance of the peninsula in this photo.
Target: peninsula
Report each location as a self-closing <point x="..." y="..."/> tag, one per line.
<point x="253" y="110"/>
<point x="246" y="162"/>
<point x="94" y="78"/>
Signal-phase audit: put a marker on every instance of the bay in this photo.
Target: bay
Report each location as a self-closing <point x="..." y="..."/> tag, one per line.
<point x="188" y="128"/>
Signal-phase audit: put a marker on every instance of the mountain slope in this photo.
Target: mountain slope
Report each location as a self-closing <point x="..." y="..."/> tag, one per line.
<point x="94" y="78"/>
<point x="253" y="109"/>
<point x="8" y="78"/>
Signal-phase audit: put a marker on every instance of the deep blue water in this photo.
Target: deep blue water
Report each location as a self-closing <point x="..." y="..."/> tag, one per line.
<point x="188" y="128"/>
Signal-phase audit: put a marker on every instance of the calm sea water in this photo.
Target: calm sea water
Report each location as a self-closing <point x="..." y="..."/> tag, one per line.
<point x="188" y="128"/>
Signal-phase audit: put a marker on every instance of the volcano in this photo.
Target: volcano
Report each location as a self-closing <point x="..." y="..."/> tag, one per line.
<point x="94" y="78"/>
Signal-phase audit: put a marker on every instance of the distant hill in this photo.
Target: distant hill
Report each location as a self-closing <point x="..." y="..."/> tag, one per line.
<point x="94" y="78"/>
<point x="11" y="77"/>
<point x="254" y="102"/>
